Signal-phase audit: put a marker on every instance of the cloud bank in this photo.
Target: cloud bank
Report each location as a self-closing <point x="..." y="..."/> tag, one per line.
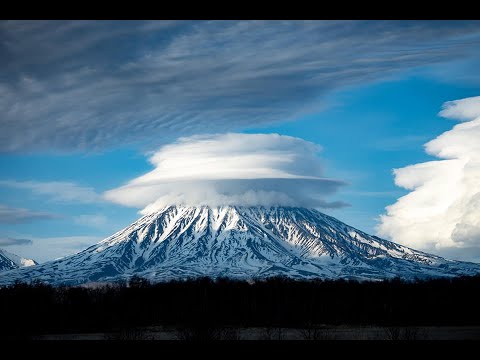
<point x="83" y="85"/>
<point x="50" y="248"/>
<point x="442" y="211"/>
<point x="231" y="169"/>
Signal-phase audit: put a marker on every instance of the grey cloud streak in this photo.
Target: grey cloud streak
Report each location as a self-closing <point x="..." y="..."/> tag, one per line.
<point x="10" y="215"/>
<point x="8" y="241"/>
<point x="84" y="85"/>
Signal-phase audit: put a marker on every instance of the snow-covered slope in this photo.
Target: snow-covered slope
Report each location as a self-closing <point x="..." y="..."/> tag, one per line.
<point x="10" y="261"/>
<point x="241" y="242"/>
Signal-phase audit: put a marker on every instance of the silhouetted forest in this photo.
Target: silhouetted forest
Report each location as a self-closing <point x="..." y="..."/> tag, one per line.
<point x="39" y="308"/>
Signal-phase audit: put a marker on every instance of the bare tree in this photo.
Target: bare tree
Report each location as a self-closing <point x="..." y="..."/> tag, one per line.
<point x="316" y="333"/>
<point x="207" y="333"/>
<point x="405" y="333"/>
<point x="273" y="333"/>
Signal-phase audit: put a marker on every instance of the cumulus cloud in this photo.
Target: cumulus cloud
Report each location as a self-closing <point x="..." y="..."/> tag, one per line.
<point x="9" y="215"/>
<point x="442" y="211"/>
<point x="231" y="169"/>
<point x="56" y="190"/>
<point x="8" y="241"/>
<point x="84" y="85"/>
<point x="464" y="109"/>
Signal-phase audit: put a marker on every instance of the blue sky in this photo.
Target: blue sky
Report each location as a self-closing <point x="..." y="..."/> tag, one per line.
<point x="86" y="103"/>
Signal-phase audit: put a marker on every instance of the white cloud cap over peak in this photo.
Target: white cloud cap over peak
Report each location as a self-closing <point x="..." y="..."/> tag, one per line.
<point x="235" y="156"/>
<point x="442" y="212"/>
<point x="231" y="169"/>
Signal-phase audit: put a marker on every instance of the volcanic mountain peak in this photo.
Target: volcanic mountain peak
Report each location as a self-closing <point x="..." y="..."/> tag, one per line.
<point x="241" y="242"/>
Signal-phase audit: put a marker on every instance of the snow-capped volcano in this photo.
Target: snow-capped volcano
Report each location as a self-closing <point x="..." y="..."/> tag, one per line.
<point x="241" y="242"/>
<point x="10" y="261"/>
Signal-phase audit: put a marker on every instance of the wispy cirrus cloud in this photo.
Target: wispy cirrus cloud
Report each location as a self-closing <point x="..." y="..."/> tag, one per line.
<point x="84" y="85"/>
<point x="10" y="215"/>
<point x="400" y="143"/>
<point x="91" y="220"/>
<point x="63" y="191"/>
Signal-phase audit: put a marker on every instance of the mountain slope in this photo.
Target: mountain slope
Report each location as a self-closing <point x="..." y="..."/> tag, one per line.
<point x="241" y="242"/>
<point x="9" y="261"/>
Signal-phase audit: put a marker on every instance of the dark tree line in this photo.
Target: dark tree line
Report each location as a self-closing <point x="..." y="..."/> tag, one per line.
<point x="38" y="308"/>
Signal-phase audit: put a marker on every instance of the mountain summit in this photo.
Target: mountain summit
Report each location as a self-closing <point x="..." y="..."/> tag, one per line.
<point x="244" y="243"/>
<point x="10" y="261"/>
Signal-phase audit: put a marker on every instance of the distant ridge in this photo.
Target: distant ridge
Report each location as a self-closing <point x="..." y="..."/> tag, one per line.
<point x="9" y="261"/>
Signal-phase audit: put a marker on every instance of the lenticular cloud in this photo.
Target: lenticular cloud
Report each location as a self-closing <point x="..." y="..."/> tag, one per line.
<point x="231" y="169"/>
<point x="443" y="209"/>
